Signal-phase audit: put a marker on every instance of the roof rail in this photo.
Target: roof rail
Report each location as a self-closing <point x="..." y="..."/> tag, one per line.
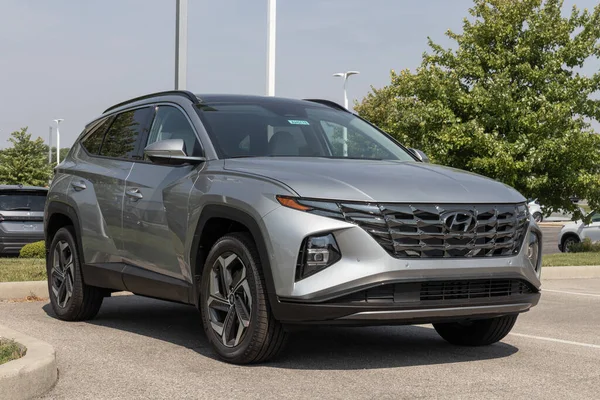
<point x="183" y="93"/>
<point x="328" y="103"/>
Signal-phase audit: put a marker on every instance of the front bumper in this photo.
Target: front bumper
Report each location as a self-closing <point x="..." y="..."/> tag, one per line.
<point x="339" y="314"/>
<point x="365" y="265"/>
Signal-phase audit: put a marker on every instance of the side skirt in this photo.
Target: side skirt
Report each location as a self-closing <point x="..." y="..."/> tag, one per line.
<point x="119" y="276"/>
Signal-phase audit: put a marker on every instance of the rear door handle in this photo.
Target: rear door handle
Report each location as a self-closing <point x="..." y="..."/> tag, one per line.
<point x="134" y="194"/>
<point x="78" y="186"/>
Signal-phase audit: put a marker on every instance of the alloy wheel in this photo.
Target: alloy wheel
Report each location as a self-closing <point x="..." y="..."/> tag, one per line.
<point x="229" y="299"/>
<point x="62" y="273"/>
<point x="569" y="242"/>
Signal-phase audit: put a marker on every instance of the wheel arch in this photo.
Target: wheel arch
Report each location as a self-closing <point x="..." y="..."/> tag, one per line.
<point x="567" y="235"/>
<point x="59" y="215"/>
<point x="238" y="220"/>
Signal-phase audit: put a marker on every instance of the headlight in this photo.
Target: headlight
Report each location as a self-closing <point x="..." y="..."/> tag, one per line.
<point x="533" y="251"/>
<point x="317" y="207"/>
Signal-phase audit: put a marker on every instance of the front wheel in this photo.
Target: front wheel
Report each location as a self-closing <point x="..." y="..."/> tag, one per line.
<point x="568" y="242"/>
<point x="235" y="311"/>
<point x="481" y="332"/>
<point x="538" y="217"/>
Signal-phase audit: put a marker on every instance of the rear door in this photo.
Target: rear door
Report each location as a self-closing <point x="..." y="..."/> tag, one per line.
<point x="99" y="170"/>
<point x="155" y="211"/>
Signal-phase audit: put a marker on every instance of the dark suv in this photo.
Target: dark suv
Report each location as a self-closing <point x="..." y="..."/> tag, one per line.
<point x="266" y="212"/>
<point x="21" y="216"/>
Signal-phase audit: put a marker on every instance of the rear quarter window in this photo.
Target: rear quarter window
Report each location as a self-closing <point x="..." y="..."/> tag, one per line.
<point x="93" y="140"/>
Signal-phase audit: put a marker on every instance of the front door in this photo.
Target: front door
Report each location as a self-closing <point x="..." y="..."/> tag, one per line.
<point x="155" y="211"/>
<point x="592" y="230"/>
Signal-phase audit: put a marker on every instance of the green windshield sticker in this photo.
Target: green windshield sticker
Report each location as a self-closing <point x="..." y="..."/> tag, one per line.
<point x="298" y="122"/>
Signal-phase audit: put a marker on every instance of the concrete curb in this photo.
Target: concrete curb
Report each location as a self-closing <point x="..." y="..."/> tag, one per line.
<point x="579" y="272"/>
<point x="29" y="376"/>
<point x="20" y="290"/>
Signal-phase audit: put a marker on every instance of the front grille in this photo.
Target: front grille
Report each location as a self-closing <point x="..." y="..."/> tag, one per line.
<point x="425" y="231"/>
<point x="439" y="291"/>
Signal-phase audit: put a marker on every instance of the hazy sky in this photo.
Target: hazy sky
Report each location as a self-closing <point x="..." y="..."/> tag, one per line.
<point x="73" y="59"/>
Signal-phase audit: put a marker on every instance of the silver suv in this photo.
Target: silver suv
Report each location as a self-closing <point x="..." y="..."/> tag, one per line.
<point x="270" y="213"/>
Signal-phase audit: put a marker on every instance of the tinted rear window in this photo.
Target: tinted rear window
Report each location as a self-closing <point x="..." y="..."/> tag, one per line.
<point x="22" y="201"/>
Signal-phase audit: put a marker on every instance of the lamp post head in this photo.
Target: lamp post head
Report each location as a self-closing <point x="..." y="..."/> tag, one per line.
<point x="346" y="74"/>
<point x="58" y="121"/>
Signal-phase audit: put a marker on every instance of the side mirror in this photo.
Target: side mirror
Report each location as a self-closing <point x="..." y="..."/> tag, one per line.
<point x="420" y="155"/>
<point x="171" y="151"/>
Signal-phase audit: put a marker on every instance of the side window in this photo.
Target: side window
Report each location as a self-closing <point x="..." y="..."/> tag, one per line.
<point x="123" y="133"/>
<point x="93" y="141"/>
<point x="596" y="218"/>
<point x="359" y="145"/>
<point x="170" y="123"/>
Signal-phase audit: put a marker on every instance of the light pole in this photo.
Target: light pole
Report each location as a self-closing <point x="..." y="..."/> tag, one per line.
<point x="272" y="20"/>
<point x="58" y="121"/>
<point x="181" y="11"/>
<point x="50" y="145"/>
<point x="345" y="75"/>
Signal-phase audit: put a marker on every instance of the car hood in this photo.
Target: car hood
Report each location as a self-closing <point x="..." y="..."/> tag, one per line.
<point x="379" y="181"/>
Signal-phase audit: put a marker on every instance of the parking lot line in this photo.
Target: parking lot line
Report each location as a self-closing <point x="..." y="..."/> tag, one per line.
<point x="594" y="346"/>
<point x="575" y="293"/>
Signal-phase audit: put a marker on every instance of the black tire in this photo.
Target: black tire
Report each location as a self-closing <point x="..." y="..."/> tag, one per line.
<point x="264" y="336"/>
<point x="481" y="332"/>
<point x="567" y="241"/>
<point x="84" y="301"/>
<point x="538" y="217"/>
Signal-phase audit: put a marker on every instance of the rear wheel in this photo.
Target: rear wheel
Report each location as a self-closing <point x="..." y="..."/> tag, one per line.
<point x="70" y="297"/>
<point x="481" y="332"/>
<point x="568" y="242"/>
<point x="235" y="311"/>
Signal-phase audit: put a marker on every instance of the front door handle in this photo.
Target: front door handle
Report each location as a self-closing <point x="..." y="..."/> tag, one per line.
<point x="134" y="193"/>
<point x="78" y="186"/>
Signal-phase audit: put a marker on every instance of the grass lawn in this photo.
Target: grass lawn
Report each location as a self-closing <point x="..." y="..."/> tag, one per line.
<point x="10" y="350"/>
<point x="22" y="269"/>
<point x="569" y="259"/>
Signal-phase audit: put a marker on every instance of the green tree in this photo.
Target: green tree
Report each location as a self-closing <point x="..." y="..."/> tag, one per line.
<point x="26" y="162"/>
<point x="509" y="101"/>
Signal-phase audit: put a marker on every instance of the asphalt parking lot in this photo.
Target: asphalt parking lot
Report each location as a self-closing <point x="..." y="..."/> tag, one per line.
<point x="142" y="348"/>
<point x="550" y="241"/>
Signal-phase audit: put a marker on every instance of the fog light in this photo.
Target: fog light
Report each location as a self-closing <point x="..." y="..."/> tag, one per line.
<point x="316" y="254"/>
<point x="533" y="250"/>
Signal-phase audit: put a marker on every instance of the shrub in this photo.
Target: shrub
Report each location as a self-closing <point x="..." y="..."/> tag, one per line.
<point x="33" y="250"/>
<point x="587" y="246"/>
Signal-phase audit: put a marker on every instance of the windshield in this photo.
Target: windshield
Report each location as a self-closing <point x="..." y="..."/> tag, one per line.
<point x="22" y="201"/>
<point x="294" y="129"/>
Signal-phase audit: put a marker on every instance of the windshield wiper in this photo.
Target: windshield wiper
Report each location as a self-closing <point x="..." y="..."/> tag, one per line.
<point x="19" y="209"/>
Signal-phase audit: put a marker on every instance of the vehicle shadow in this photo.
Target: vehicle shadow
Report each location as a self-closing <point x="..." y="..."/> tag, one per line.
<point x="323" y="348"/>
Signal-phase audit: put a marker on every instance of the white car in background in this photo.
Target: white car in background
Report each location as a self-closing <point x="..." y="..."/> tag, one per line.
<point x="535" y="210"/>
<point x="575" y="232"/>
